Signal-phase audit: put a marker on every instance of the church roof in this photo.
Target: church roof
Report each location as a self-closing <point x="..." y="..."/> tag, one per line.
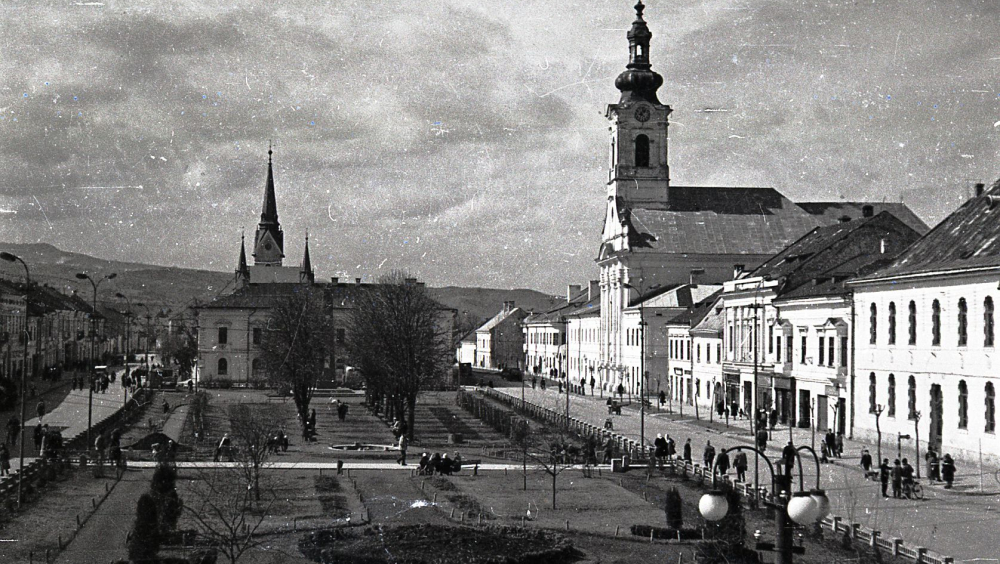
<point x="968" y="238"/>
<point x="833" y="212"/>
<point x="711" y="220"/>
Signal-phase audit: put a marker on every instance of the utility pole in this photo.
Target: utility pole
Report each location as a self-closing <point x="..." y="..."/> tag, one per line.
<point x="93" y="346"/>
<point x="916" y="433"/>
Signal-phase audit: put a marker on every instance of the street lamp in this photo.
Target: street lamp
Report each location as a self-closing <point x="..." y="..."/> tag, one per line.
<point x="9" y="257"/>
<point x="93" y="345"/>
<point x="128" y="340"/>
<point x="802" y="507"/>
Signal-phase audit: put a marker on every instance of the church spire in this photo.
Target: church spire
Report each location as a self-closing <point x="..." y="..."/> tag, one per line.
<point x="242" y="270"/>
<point x="638" y="82"/>
<point x="269" y="243"/>
<point x="269" y="214"/>
<point x="307" y="274"/>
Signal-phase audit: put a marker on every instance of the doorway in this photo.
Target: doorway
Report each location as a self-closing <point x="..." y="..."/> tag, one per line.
<point x="804" y="406"/>
<point x="748" y="399"/>
<point x="822" y="412"/>
<point x="841" y="416"/>
<point x="937" y="418"/>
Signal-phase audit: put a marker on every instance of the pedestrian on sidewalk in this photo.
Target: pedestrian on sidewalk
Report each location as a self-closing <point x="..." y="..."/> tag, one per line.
<point x="840" y="445"/>
<point x="740" y="463"/>
<point x="761" y="440"/>
<point x="866" y="460"/>
<point x="37" y="437"/>
<point x="709" y="454"/>
<point x="592" y="384"/>
<point x="671" y="448"/>
<point x="884" y="471"/>
<point x="897" y="479"/>
<point x="40" y="410"/>
<point x="933" y="465"/>
<point x="4" y="460"/>
<point x="722" y="463"/>
<point x="831" y="442"/>
<point x="660" y="450"/>
<point x="788" y="457"/>
<point x="687" y="450"/>
<point x="403" y="443"/>
<point x="13" y="430"/>
<point x="663" y="398"/>
<point x="773" y="418"/>
<point x="948" y="471"/>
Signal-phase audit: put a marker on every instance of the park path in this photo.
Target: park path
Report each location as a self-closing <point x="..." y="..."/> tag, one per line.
<point x="102" y="538"/>
<point x="949" y="522"/>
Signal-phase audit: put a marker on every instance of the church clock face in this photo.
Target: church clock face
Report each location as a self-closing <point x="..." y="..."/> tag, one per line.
<point x="267" y="246"/>
<point x="642" y="114"/>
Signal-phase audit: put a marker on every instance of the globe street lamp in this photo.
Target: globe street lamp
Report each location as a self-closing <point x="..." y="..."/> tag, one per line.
<point x="9" y="257"/>
<point x="802" y="507"/>
<point x="93" y="345"/>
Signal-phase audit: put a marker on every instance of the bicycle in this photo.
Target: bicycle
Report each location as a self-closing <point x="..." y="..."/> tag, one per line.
<point x="913" y="490"/>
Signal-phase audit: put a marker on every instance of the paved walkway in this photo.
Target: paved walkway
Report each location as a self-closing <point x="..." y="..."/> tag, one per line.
<point x="950" y="522"/>
<point x="102" y="538"/>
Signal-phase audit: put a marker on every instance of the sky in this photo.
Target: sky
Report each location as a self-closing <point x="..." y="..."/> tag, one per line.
<point x="465" y="141"/>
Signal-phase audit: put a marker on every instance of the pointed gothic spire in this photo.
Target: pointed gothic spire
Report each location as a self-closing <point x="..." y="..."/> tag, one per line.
<point x="307" y="270"/>
<point x="639" y="82"/>
<point x="242" y="270"/>
<point x="269" y="214"/>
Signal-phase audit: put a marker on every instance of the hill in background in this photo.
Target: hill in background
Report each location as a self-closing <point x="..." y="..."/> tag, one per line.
<point x="167" y="287"/>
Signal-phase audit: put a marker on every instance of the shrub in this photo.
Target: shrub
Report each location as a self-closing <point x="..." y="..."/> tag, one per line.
<point x="144" y="542"/>
<point x="673" y="507"/>
<point x="163" y="489"/>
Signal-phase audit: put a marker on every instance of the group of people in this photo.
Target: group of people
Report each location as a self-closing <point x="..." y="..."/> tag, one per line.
<point x="340" y="407"/>
<point x="111" y="443"/>
<point x="940" y="469"/>
<point x="439" y="464"/>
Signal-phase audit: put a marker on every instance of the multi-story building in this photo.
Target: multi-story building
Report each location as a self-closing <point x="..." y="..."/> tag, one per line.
<point x="656" y="233"/>
<point x="925" y="358"/>
<point x="788" y="324"/>
<point x="547" y="336"/>
<point x="706" y="362"/>
<point x="500" y="341"/>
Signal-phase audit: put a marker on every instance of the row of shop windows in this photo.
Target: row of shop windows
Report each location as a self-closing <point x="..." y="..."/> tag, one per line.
<point x="962" y="328"/>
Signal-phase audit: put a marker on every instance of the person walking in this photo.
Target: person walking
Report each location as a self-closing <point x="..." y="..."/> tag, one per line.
<point x="831" y="443"/>
<point x="660" y="449"/>
<point x="671" y="448"/>
<point x="40" y="410"/>
<point x="687" y="450"/>
<point x="788" y="457"/>
<point x="37" y="437"/>
<point x="740" y="463"/>
<point x="403" y="443"/>
<point x="884" y="471"/>
<point x="592" y="384"/>
<point x="933" y="466"/>
<point x="840" y="445"/>
<point x="13" y="430"/>
<point x="866" y="461"/>
<point x="897" y="479"/>
<point x="762" y="440"/>
<point x="4" y="460"/>
<point x="709" y="454"/>
<point x="722" y="463"/>
<point x="948" y="471"/>
<point x="907" y="474"/>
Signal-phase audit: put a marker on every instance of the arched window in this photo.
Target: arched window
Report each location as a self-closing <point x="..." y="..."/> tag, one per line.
<point x="913" y="322"/>
<point x="892" y="323"/>
<point x="873" y="325"/>
<point x="963" y="323"/>
<point x="871" y="393"/>
<point x="911" y="399"/>
<point x="891" y="400"/>
<point x="223" y="367"/>
<point x="936" y="323"/>
<point x="988" y="321"/>
<point x="963" y="405"/>
<point x="641" y="151"/>
<point x="991" y="408"/>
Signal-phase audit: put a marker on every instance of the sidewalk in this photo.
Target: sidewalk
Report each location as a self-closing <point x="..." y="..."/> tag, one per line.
<point x="955" y="526"/>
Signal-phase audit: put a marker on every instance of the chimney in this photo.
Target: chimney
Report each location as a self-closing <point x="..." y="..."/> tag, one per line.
<point x="410" y="281"/>
<point x="845" y="218"/>
<point x="572" y="290"/>
<point x="867" y="210"/>
<point x="593" y="289"/>
<point x="980" y="189"/>
<point x="357" y="281"/>
<point x="508" y="306"/>
<point x="737" y="271"/>
<point x="334" y="280"/>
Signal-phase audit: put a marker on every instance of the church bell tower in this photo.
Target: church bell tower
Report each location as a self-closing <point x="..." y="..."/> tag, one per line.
<point x="269" y="242"/>
<point x="638" y="171"/>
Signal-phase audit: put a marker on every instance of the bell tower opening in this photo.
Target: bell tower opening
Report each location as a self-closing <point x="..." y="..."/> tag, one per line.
<point x="642" y="151"/>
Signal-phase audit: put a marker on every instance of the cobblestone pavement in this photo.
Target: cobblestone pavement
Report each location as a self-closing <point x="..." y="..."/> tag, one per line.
<point x="959" y="524"/>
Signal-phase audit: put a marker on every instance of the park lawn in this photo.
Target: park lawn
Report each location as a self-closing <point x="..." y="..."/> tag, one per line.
<point x="594" y="505"/>
<point x="51" y="513"/>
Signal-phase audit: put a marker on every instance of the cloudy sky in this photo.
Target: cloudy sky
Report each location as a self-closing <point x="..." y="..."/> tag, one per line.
<point x="465" y="140"/>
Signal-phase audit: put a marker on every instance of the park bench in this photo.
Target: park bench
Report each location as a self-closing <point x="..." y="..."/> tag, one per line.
<point x="277" y="397"/>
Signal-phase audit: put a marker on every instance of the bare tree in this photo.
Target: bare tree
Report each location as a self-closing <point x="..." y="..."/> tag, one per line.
<point x="226" y="511"/>
<point x="550" y="452"/>
<point x="252" y="427"/>
<point x="400" y="341"/>
<point x="294" y="347"/>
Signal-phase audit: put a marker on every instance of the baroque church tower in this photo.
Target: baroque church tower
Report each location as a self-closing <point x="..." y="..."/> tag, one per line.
<point x="269" y="242"/>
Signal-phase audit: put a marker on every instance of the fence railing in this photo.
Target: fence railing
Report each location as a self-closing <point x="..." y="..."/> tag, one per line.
<point x="857" y="531"/>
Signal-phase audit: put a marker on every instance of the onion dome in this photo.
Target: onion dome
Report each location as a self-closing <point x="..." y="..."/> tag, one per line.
<point x="638" y="82"/>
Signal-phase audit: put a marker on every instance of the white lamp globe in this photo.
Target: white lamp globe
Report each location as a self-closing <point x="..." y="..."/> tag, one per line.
<point x="822" y="504"/>
<point x="802" y="509"/>
<point x="713" y="506"/>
